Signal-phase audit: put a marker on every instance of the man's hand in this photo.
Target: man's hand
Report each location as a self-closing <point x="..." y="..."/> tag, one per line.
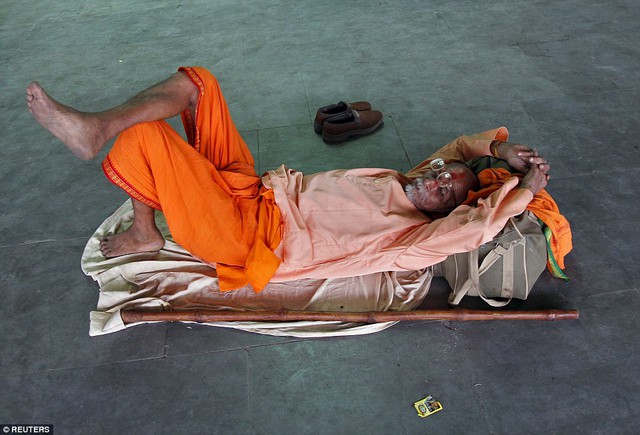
<point x="520" y="157"/>
<point x="537" y="177"/>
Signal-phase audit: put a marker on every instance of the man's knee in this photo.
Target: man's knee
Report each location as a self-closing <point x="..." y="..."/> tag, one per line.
<point x="141" y="134"/>
<point x="201" y="77"/>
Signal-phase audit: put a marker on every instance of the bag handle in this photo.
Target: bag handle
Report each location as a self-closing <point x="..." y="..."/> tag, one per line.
<point x="508" y="271"/>
<point x="508" y="267"/>
<point x="474" y="276"/>
<point x="507" y="263"/>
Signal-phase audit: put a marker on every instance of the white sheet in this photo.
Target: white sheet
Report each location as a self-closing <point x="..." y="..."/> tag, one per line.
<point x="172" y="279"/>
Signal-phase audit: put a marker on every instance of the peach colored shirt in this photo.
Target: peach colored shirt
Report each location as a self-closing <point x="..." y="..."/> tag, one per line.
<point x="354" y="222"/>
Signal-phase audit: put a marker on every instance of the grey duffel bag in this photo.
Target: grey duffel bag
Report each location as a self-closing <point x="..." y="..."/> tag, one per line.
<point x="505" y="268"/>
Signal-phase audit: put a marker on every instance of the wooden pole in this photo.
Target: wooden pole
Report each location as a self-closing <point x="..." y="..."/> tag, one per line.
<point x="455" y="314"/>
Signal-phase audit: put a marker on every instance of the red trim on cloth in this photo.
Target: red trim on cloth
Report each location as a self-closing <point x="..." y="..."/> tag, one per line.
<point x="119" y="180"/>
<point x="190" y="124"/>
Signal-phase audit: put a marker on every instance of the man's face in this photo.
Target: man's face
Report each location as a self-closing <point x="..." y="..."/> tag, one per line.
<point x="428" y="196"/>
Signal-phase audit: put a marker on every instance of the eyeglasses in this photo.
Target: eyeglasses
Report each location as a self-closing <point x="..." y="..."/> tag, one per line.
<point x="442" y="176"/>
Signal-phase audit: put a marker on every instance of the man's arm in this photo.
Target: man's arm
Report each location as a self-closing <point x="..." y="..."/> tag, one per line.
<point x="520" y="157"/>
<point x="537" y="175"/>
<point x="489" y="143"/>
<point x="467" y="227"/>
<point x="464" y="148"/>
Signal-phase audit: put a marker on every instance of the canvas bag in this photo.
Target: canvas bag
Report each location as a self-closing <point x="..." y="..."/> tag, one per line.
<point x="506" y="267"/>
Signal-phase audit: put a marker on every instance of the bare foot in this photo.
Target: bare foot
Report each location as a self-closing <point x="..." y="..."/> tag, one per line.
<point x="80" y="132"/>
<point x="131" y="241"/>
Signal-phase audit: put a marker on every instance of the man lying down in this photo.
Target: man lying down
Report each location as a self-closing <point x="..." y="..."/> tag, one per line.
<point x="284" y="226"/>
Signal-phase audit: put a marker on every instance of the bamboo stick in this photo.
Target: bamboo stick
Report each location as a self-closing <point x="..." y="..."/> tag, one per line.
<point x="455" y="314"/>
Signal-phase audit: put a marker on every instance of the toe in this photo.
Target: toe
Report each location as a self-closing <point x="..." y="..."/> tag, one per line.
<point x="106" y="251"/>
<point x="36" y="90"/>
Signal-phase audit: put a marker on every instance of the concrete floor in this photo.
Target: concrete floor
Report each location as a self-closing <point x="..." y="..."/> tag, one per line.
<point x="563" y="76"/>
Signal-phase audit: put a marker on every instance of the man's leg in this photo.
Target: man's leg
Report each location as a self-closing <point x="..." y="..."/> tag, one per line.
<point x="86" y="133"/>
<point x="142" y="236"/>
<point x="158" y="168"/>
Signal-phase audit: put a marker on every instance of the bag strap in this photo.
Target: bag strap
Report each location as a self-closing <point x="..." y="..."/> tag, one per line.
<point x="456" y="297"/>
<point x="474" y="272"/>
<point x="473" y="282"/>
<point x="508" y="272"/>
<point x="507" y="263"/>
<point x="507" y="253"/>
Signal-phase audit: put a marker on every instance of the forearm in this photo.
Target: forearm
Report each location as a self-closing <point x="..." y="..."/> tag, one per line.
<point x="467" y="227"/>
<point x="463" y="149"/>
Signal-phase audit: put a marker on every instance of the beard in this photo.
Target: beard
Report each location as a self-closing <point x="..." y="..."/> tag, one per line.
<point x="415" y="191"/>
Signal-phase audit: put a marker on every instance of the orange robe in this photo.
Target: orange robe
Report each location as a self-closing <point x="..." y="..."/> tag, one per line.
<point x="207" y="188"/>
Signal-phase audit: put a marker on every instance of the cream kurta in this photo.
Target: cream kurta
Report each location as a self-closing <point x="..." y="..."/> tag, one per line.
<point x="354" y="222"/>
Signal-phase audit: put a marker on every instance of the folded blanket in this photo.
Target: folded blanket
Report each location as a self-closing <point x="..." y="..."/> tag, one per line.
<point x="172" y="279"/>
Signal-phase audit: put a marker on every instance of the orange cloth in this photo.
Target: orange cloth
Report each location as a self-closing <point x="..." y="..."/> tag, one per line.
<point x="207" y="188"/>
<point x="542" y="205"/>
